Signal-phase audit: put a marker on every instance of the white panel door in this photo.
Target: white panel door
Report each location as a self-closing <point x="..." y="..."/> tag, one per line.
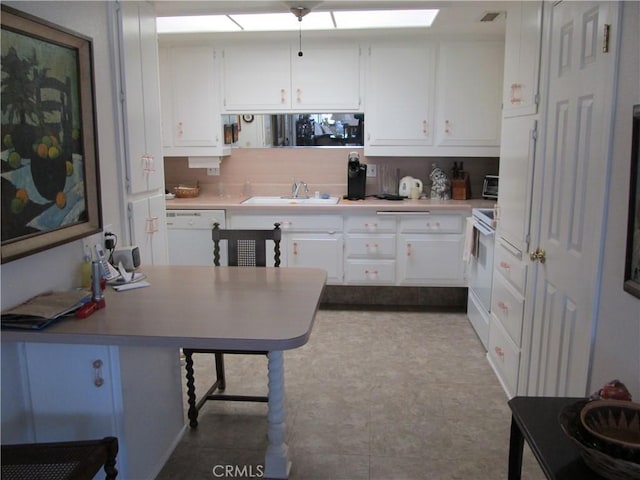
<point x="570" y="218"/>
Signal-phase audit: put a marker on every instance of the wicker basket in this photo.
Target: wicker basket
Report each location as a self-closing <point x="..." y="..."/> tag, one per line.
<point x="605" y="465"/>
<point x="186" y="191"/>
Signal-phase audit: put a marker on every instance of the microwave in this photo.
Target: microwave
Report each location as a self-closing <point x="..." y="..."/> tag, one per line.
<point x="490" y="187"/>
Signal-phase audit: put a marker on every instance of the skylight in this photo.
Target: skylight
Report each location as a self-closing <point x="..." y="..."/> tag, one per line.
<point x="336" y="20"/>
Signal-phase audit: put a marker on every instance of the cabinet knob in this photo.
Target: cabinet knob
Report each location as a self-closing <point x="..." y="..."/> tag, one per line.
<point x="283" y="95"/>
<point x="425" y="128"/>
<point x="408" y="249"/>
<point x="298" y="95"/>
<point x="98" y="381"/>
<point x="504" y="265"/>
<point x="447" y="127"/>
<point x="295" y="248"/>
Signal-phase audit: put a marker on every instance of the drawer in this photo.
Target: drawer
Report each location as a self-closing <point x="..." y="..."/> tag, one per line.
<point x="508" y="305"/>
<point x="504" y="356"/>
<point x="431" y="223"/>
<point x="370" y="224"/>
<point x="511" y="266"/>
<point x="296" y="223"/>
<point x="371" y="246"/>
<point x="366" y="272"/>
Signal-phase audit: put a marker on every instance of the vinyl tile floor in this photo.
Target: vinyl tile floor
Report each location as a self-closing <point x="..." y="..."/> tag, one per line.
<point x="372" y="396"/>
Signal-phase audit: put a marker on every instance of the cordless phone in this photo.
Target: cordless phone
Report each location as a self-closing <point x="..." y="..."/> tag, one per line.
<point x="109" y="272"/>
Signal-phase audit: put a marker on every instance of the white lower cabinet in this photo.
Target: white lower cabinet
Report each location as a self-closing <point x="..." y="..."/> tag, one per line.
<point x="370" y="250"/>
<point x="403" y="248"/>
<point x="307" y="240"/>
<point x="507" y="314"/>
<point x="81" y="392"/>
<point x="430" y="248"/>
<point x="504" y="356"/>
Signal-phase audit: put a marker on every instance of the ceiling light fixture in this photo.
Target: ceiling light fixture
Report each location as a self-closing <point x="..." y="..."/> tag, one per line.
<point x="300" y="12"/>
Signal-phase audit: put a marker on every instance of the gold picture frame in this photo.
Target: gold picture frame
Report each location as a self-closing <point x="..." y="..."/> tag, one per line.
<point x="50" y="191"/>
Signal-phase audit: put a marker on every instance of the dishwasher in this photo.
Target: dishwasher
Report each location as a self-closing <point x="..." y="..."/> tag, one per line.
<point x="189" y="236"/>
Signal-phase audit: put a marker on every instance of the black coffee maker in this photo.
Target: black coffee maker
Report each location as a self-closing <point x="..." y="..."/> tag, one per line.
<point x="356" y="177"/>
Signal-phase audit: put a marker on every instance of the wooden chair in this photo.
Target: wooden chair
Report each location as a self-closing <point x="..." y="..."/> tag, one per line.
<point x="244" y="248"/>
<point x="79" y="460"/>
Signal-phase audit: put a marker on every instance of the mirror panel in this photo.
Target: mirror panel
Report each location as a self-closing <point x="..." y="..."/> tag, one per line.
<point x="294" y="130"/>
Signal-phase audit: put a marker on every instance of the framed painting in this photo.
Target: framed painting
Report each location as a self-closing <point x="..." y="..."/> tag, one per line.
<point x="49" y="163"/>
<point x="632" y="265"/>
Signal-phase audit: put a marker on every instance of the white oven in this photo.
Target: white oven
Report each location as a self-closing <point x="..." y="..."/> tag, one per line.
<point x="481" y="272"/>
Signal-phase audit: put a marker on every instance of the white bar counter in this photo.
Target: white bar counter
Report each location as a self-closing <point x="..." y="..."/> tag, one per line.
<point x="227" y="308"/>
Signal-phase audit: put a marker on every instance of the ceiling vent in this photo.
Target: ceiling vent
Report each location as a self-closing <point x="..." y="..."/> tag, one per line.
<point x="489" y="16"/>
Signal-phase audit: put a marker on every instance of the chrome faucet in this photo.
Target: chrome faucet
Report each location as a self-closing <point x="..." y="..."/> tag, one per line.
<point x="295" y="189"/>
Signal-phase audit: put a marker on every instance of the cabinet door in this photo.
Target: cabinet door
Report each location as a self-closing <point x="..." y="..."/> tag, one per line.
<point x="326" y="78"/>
<point x="194" y="103"/>
<point x="517" y="155"/>
<point x="141" y="102"/>
<point x="71" y="398"/>
<point x="148" y="229"/>
<point x="470" y="78"/>
<point x="316" y="250"/>
<point x="400" y="94"/>
<point x="430" y="260"/>
<point x="522" y="58"/>
<point x="256" y="77"/>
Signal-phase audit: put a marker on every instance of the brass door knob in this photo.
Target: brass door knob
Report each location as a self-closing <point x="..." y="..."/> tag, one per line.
<point x="538" y="254"/>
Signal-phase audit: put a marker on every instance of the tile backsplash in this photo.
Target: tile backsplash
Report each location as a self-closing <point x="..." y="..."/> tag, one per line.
<point x="272" y="171"/>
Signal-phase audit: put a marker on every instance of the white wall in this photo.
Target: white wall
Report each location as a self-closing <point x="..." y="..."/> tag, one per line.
<point x="58" y="268"/>
<point x="617" y="351"/>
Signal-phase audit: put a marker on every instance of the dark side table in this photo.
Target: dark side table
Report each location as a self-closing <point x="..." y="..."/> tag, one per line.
<point x="535" y="419"/>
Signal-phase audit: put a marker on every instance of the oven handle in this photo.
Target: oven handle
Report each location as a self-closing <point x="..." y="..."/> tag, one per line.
<point x="483" y="229"/>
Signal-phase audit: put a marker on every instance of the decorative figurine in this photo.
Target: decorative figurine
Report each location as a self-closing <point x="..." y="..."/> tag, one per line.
<point x="440" y="184"/>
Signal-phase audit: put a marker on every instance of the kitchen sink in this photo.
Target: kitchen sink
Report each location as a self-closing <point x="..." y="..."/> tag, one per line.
<point x="272" y="200"/>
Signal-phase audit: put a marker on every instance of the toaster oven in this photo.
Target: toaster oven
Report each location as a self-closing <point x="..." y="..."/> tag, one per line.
<point x="490" y="187"/>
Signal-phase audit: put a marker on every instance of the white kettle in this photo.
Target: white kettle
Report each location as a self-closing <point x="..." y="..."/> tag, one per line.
<point x="406" y="184"/>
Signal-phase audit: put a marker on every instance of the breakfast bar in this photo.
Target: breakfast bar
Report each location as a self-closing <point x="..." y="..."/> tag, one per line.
<point x="226" y="308"/>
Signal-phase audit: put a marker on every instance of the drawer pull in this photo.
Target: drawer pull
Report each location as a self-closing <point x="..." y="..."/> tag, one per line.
<point x="295" y="248"/>
<point x="371" y="274"/>
<point x="408" y="249"/>
<point x="499" y="352"/>
<point x="504" y="307"/>
<point x="505" y="265"/>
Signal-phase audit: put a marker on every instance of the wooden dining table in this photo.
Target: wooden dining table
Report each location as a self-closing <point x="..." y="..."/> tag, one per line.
<point x="227" y="308"/>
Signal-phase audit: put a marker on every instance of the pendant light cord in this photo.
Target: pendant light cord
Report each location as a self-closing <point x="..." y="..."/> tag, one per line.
<point x="300" y="37"/>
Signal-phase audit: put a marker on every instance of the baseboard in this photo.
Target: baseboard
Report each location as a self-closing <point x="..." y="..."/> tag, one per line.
<point x="394" y="298"/>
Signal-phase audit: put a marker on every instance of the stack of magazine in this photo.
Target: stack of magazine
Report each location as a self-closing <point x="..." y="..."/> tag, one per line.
<point x="44" y="309"/>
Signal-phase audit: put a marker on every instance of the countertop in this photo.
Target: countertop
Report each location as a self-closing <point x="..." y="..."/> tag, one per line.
<point x="234" y="203"/>
<point x="222" y="308"/>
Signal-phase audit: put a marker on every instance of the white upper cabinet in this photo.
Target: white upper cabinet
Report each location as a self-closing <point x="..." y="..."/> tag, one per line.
<point x="271" y="77"/>
<point x="192" y="124"/>
<point x="327" y="78"/>
<point x="141" y="99"/>
<point x="400" y="95"/>
<point x="522" y="58"/>
<point x="469" y="90"/>
<point x="427" y="97"/>
<point x="256" y="77"/>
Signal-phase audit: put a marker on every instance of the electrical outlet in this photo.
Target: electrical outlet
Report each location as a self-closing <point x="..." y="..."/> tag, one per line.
<point x="105" y="230"/>
<point x="372" y="170"/>
<point x="213" y="171"/>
